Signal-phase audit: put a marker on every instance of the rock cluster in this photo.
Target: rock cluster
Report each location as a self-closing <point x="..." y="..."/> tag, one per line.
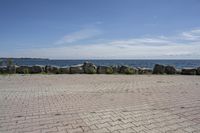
<point x="23" y="69"/>
<point x="144" y="70"/>
<point x="104" y="70"/>
<point x="64" y="70"/>
<point x="127" y="70"/>
<point x="76" y="69"/>
<point x="159" y="69"/>
<point x="189" y="71"/>
<point x="90" y="68"/>
<point x="162" y="69"/>
<point x="51" y="69"/>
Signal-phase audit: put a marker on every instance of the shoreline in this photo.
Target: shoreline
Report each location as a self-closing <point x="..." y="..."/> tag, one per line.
<point x="91" y="68"/>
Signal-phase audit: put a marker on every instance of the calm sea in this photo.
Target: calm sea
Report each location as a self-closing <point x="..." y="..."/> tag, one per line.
<point x="135" y="63"/>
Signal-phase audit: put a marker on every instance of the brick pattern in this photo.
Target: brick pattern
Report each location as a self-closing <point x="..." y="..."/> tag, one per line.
<point x="99" y="104"/>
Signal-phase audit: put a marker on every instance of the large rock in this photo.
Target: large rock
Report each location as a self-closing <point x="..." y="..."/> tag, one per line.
<point x="23" y="69"/>
<point x="144" y="70"/>
<point x="178" y="71"/>
<point x="52" y="69"/>
<point x="89" y="68"/>
<point x="128" y="70"/>
<point x="76" y="69"/>
<point x="37" y="69"/>
<point x="8" y="69"/>
<point x="198" y="71"/>
<point x="189" y="71"/>
<point x="11" y="69"/>
<point x="64" y="70"/>
<point x="159" y="69"/>
<point x="116" y="68"/>
<point x="104" y="70"/>
<point x="170" y="70"/>
<point x="3" y="70"/>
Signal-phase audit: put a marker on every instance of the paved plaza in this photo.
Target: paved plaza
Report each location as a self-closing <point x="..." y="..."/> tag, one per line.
<point x="99" y="104"/>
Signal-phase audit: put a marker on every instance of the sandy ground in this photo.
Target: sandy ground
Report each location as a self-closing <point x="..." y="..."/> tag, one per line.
<point x="100" y="103"/>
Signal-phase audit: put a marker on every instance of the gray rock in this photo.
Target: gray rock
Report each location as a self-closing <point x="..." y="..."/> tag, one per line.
<point x="128" y="70"/>
<point x="12" y="69"/>
<point x="189" y="71"/>
<point x="3" y="70"/>
<point x="37" y="69"/>
<point x="170" y="70"/>
<point x="23" y="69"/>
<point x="178" y="71"/>
<point x="116" y="68"/>
<point x="89" y="68"/>
<point x="144" y="70"/>
<point x="52" y="69"/>
<point x="104" y="70"/>
<point x="159" y="69"/>
<point x="64" y="70"/>
<point x="198" y="71"/>
<point x="77" y="69"/>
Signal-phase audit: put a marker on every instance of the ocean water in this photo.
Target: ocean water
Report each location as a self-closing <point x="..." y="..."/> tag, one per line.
<point x="135" y="63"/>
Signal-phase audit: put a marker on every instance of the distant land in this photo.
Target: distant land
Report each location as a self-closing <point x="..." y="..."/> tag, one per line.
<point x="5" y="58"/>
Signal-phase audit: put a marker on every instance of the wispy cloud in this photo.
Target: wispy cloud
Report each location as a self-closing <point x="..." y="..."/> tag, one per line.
<point x="185" y="45"/>
<point x="99" y="22"/>
<point x="79" y="35"/>
<point x="193" y="35"/>
<point x="157" y="41"/>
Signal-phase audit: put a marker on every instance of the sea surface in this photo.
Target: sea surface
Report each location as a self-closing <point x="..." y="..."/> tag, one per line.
<point x="135" y="63"/>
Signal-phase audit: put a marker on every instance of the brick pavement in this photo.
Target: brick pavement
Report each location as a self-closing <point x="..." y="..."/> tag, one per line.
<point x="99" y="104"/>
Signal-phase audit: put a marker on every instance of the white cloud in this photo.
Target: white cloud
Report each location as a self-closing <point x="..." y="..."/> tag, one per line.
<point x="107" y="51"/>
<point x="79" y="35"/>
<point x="142" y="41"/>
<point x="193" y="35"/>
<point x="159" y="47"/>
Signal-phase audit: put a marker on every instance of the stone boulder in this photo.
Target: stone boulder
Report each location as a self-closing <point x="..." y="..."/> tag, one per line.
<point x="127" y="70"/>
<point x="52" y="69"/>
<point x="8" y="69"/>
<point x="159" y="69"/>
<point x="116" y="68"/>
<point x="37" y="69"/>
<point x="198" y="71"/>
<point x="178" y="71"/>
<point x="104" y="70"/>
<point x="76" y="69"/>
<point x="144" y="70"/>
<point x="3" y="70"/>
<point x="12" y="69"/>
<point x="89" y="68"/>
<point x="189" y="71"/>
<point x="23" y="69"/>
<point x="170" y="70"/>
<point x="64" y="70"/>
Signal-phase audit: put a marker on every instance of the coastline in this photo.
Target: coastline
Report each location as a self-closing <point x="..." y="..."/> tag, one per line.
<point x="91" y="68"/>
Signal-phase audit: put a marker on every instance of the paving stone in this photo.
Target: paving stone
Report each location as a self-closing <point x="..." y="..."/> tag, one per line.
<point x="99" y="103"/>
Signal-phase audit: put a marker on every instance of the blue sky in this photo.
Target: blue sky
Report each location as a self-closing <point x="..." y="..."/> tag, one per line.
<point x="100" y="29"/>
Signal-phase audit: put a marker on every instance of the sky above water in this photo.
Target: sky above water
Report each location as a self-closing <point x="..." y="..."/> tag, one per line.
<point x="100" y="29"/>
